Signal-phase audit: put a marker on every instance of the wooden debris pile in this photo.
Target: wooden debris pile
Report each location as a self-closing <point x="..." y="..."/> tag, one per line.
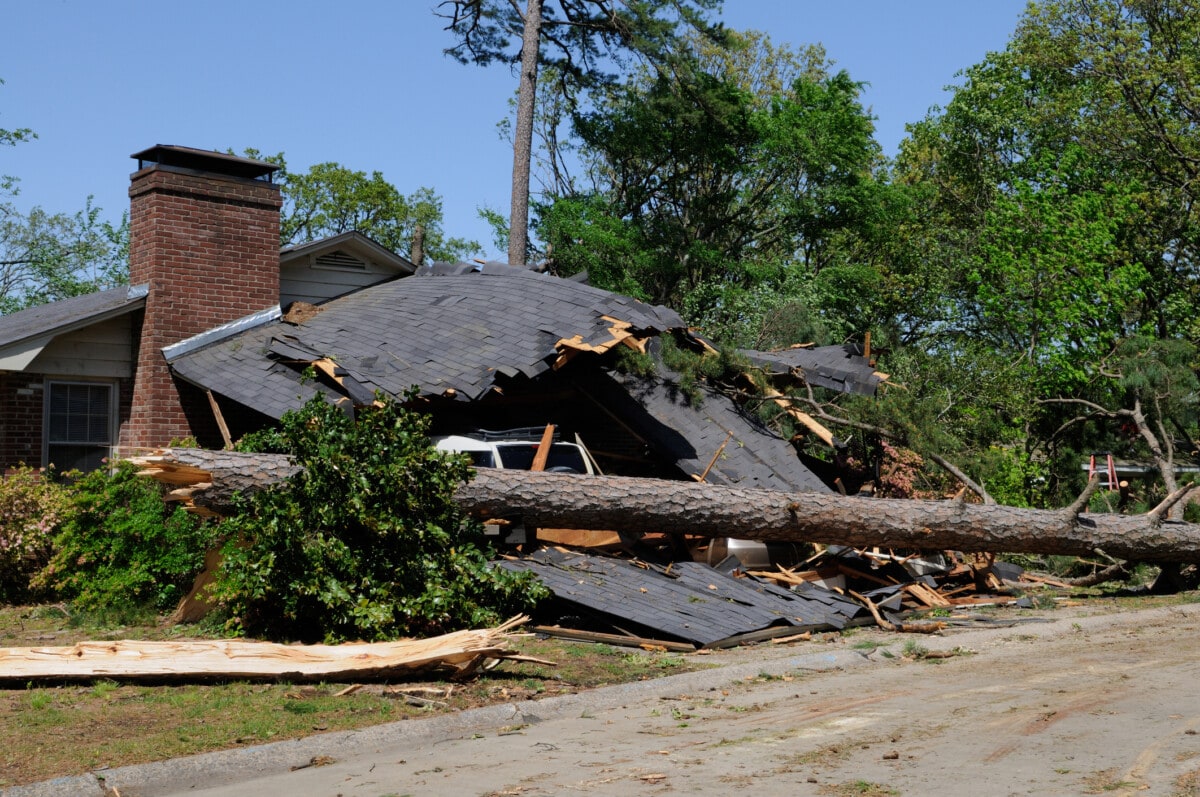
<point x="913" y="582"/>
<point x="637" y="597"/>
<point x="461" y="654"/>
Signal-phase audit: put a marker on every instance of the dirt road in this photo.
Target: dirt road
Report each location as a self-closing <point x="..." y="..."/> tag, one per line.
<point x="1104" y="704"/>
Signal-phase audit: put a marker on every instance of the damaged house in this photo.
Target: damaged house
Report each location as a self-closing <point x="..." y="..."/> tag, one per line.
<point x="219" y="330"/>
<point x="84" y="378"/>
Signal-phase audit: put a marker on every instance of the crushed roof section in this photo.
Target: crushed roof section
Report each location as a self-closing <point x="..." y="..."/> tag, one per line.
<point x="686" y="601"/>
<point x="241" y="369"/>
<point x="691" y="428"/>
<point x="453" y="335"/>
<point x="460" y="336"/>
<point x="72" y="313"/>
<point x="842" y="368"/>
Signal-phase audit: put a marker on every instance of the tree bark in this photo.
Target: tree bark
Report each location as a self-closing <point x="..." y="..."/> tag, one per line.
<point x="560" y="500"/>
<point x="518" y="221"/>
<point x="207" y="481"/>
<point x="570" y="501"/>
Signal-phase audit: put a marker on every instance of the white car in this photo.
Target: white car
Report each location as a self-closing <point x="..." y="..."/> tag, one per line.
<point x="514" y="449"/>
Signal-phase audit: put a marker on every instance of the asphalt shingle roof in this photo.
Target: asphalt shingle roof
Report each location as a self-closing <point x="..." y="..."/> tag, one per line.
<point x="458" y="334"/>
<point x="446" y="333"/>
<point x="841" y="368"/>
<point x="688" y="601"/>
<point x="691" y="427"/>
<point x="76" y="311"/>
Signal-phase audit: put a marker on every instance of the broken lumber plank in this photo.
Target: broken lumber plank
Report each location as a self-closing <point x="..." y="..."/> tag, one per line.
<point x="984" y="600"/>
<point x="852" y="572"/>
<point x="220" y="418"/>
<point x="767" y="634"/>
<point x="461" y="651"/>
<point x="580" y="538"/>
<point x="543" y="449"/>
<point x="1049" y="581"/>
<point x="929" y="597"/>
<point x="612" y="639"/>
<point x="781" y="577"/>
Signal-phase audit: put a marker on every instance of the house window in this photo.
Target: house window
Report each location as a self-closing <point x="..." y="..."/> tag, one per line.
<point x="79" y="424"/>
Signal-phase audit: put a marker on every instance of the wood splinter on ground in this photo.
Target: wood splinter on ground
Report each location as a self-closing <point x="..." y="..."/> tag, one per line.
<point x="908" y="628"/>
<point x="462" y="652"/>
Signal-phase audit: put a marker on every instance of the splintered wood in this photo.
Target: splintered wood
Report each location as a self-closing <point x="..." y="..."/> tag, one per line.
<point x="951" y="581"/>
<point x="462" y="653"/>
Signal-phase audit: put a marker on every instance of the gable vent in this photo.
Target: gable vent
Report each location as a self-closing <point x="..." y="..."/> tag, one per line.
<point x="341" y="260"/>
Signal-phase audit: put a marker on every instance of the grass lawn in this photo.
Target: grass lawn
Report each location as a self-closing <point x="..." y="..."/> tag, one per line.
<point x="50" y="730"/>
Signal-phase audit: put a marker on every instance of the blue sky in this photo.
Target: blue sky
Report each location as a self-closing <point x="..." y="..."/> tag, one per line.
<point x="365" y="83"/>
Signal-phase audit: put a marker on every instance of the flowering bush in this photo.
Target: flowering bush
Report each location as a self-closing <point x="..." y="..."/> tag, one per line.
<point x="900" y="475"/>
<point x="32" y="507"/>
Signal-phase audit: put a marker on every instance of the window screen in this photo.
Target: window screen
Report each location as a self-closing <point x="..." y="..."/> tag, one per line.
<point x="78" y="425"/>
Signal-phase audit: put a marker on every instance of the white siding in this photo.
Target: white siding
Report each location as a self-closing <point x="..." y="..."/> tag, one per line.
<point x="103" y="350"/>
<point x="305" y="282"/>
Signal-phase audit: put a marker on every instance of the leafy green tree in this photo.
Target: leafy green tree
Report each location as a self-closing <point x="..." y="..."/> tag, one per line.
<point x="365" y="543"/>
<point x="45" y="257"/>
<point x="712" y="186"/>
<point x="10" y="138"/>
<point x="1051" y="208"/>
<point x="584" y="42"/>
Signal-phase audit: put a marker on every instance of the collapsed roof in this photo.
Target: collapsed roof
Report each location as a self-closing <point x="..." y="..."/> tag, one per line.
<point x="842" y="368"/>
<point x="467" y="337"/>
<point x="686" y="601"/>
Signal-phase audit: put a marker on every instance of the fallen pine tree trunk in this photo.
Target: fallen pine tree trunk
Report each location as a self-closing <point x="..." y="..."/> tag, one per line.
<point x="646" y="505"/>
<point x="633" y="505"/>
<point x="461" y="652"/>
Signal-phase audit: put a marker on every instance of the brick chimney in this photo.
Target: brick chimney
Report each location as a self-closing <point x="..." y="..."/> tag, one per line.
<point x="204" y="235"/>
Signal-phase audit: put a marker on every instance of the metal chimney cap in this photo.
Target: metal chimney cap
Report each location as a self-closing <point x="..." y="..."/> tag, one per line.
<point x="201" y="160"/>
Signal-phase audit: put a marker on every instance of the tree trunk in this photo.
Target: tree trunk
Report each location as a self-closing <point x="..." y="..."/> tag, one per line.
<point x="518" y="222"/>
<point x="207" y="481"/>
<point x="462" y="652"/>
<point x="568" y="501"/>
<point x="559" y="500"/>
<point x="417" y="250"/>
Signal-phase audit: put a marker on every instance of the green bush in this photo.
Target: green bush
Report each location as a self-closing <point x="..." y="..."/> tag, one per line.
<point x="31" y="508"/>
<point x="365" y="543"/>
<point x="123" y="547"/>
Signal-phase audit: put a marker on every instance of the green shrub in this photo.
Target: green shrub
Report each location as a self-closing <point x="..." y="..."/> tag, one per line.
<point x="122" y="546"/>
<point x="365" y="543"/>
<point x="31" y="508"/>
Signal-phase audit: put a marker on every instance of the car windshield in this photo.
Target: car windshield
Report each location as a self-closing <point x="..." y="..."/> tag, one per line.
<point x="519" y="456"/>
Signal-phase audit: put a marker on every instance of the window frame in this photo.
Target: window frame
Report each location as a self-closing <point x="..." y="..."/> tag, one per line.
<point x="112" y="427"/>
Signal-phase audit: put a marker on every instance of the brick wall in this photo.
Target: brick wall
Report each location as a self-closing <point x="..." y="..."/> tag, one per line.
<point x="21" y="421"/>
<point x="22" y="396"/>
<point x="208" y="246"/>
